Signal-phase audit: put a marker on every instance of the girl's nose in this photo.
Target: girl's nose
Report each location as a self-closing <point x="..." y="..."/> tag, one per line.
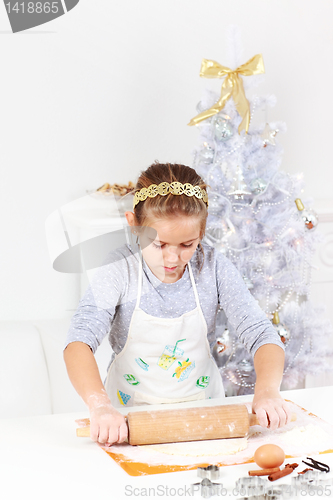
<point x="172" y="254"/>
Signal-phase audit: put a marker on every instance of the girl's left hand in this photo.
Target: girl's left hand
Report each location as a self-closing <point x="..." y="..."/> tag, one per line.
<point x="271" y="409"/>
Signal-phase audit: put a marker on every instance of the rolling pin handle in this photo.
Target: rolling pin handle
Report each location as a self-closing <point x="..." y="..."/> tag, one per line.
<point x="83" y="431"/>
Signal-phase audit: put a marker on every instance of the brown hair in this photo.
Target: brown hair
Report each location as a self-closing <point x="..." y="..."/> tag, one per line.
<point x="170" y="205"/>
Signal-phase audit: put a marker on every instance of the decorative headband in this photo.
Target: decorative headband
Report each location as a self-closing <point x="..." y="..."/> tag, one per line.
<point x="165" y="188"/>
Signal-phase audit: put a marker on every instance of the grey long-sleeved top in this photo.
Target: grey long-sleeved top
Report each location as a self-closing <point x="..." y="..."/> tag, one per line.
<point x="107" y="306"/>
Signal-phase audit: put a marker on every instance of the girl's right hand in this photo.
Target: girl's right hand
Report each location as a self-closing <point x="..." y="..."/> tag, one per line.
<point x="107" y="425"/>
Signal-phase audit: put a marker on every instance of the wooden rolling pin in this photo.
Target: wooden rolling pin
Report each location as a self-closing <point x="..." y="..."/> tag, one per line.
<point x="186" y="424"/>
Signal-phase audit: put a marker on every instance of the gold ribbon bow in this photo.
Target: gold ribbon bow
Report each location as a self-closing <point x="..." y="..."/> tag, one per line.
<point x="231" y="87"/>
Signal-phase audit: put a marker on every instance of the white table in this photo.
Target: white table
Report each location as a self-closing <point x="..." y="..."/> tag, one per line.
<point x="41" y="458"/>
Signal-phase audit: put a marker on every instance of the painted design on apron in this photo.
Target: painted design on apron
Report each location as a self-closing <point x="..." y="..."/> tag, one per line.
<point x="203" y="382"/>
<point x="123" y="398"/>
<point x="184" y="369"/>
<point x="142" y="364"/>
<point x="131" y="379"/>
<point x="169" y="355"/>
<point x="158" y="383"/>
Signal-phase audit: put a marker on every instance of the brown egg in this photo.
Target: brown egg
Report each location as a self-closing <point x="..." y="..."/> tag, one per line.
<point x="269" y="455"/>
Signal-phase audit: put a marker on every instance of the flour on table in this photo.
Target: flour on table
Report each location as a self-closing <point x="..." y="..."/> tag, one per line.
<point x="309" y="436"/>
<point x="207" y="448"/>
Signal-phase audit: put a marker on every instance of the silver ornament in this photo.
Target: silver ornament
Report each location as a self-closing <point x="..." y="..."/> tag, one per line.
<point x="258" y="186"/>
<point x="310" y="218"/>
<point x="245" y="368"/>
<point x="222" y="350"/>
<point x="215" y="234"/>
<point x="206" y="153"/>
<point x="222" y="129"/>
<point x="238" y="189"/>
<point x="283" y="331"/>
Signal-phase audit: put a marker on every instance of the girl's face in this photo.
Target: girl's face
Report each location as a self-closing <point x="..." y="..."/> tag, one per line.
<point x="168" y="245"/>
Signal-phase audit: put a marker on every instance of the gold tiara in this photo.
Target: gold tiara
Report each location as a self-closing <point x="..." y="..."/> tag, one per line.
<point x="165" y="188"/>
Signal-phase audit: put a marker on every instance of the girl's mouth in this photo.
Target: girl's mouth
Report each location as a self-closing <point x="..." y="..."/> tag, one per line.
<point x="170" y="269"/>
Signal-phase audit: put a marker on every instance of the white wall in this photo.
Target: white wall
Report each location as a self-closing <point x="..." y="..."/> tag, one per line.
<point x="98" y="94"/>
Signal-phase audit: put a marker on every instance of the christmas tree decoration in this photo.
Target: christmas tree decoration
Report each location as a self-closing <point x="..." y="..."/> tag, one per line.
<point x="268" y="136"/>
<point x="207" y="153"/>
<point x="244" y="370"/>
<point x="222" y="350"/>
<point x="258" y="186"/>
<point x="232" y="87"/>
<point x="222" y="129"/>
<point x="309" y="216"/>
<point x="253" y="221"/>
<point x="238" y="189"/>
<point x="283" y="332"/>
<point x="299" y="204"/>
<point x="281" y="329"/>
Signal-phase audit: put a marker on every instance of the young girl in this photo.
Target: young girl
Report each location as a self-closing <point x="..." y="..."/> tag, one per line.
<point x="158" y="299"/>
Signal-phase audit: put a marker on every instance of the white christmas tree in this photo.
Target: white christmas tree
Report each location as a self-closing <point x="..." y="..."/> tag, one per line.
<point x="258" y="220"/>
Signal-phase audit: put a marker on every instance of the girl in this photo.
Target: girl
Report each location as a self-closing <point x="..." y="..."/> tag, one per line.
<point x="158" y="300"/>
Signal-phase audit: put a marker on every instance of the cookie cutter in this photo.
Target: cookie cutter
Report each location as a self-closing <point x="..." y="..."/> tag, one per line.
<point x="253" y="486"/>
<point x="258" y="497"/>
<point x="311" y="477"/>
<point x="281" y="492"/>
<point x="308" y="476"/>
<point x="208" y="488"/>
<point x="210" y="472"/>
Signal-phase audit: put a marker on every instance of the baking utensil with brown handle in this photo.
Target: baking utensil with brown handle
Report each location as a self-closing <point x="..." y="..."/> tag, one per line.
<point x="186" y="424"/>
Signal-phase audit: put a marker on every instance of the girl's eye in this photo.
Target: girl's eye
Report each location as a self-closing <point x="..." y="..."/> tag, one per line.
<point x="163" y="245"/>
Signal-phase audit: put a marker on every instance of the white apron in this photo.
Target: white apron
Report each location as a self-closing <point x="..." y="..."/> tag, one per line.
<point x="164" y="360"/>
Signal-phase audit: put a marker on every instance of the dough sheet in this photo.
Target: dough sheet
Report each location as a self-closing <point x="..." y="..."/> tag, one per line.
<point x="211" y="447"/>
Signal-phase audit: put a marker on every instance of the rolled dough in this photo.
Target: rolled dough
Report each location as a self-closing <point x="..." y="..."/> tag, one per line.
<point x="306" y="435"/>
<point x="207" y="448"/>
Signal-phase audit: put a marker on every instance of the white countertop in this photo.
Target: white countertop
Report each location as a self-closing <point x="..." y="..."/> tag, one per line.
<point x="41" y="458"/>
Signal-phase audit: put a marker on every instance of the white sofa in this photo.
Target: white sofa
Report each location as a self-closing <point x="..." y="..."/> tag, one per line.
<point x="33" y="376"/>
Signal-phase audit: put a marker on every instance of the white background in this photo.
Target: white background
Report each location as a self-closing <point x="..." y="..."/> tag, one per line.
<point x="98" y="94"/>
